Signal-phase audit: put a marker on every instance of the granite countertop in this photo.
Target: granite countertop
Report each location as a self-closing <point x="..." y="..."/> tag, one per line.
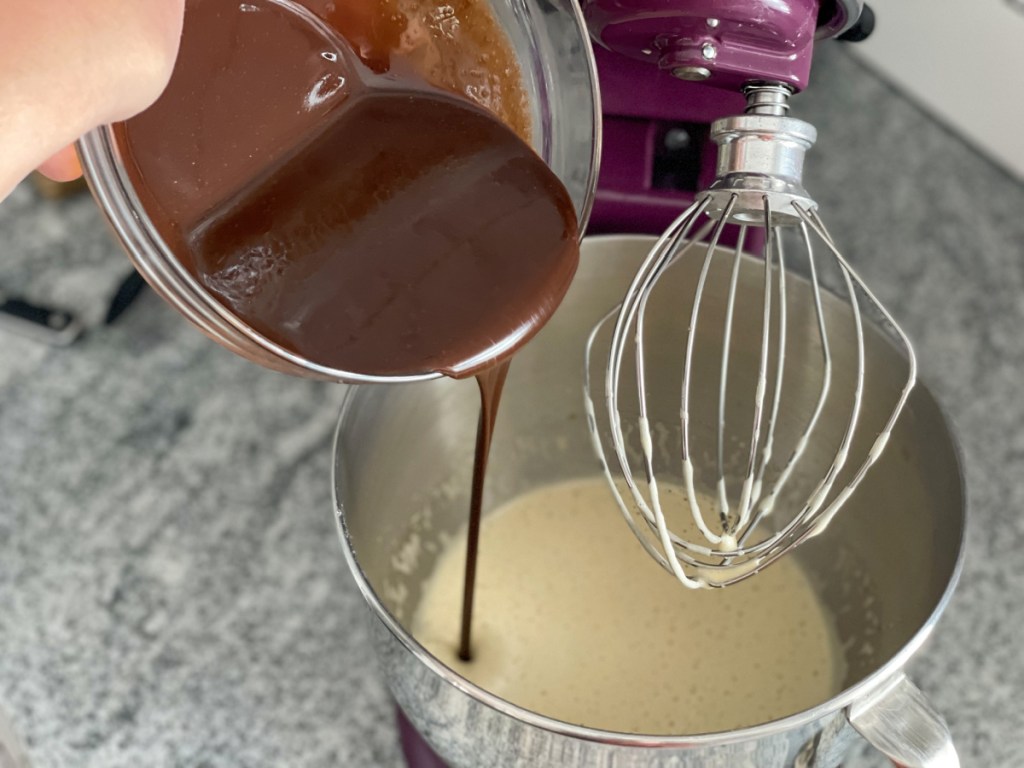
<point x="171" y="589"/>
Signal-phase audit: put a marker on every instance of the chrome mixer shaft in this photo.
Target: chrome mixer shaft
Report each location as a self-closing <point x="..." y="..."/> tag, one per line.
<point x="782" y="448"/>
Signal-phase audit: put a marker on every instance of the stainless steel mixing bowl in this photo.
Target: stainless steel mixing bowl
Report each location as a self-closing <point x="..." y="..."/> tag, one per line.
<point x="886" y="567"/>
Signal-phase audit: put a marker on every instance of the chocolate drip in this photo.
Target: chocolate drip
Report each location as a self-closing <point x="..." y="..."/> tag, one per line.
<point x="491" y="383"/>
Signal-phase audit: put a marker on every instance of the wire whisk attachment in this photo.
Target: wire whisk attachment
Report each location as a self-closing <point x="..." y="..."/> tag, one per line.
<point x="738" y="415"/>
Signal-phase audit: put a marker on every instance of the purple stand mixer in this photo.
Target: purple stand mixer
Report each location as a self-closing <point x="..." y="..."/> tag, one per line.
<point x="668" y="69"/>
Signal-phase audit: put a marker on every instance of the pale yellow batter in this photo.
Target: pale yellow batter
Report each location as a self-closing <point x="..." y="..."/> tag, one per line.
<point x="575" y="621"/>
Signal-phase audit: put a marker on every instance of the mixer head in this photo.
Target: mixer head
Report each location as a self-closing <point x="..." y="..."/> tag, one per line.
<point x="723" y="43"/>
<point x="776" y="458"/>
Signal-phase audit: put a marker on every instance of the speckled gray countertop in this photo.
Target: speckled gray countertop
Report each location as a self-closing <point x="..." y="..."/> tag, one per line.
<point x="171" y="588"/>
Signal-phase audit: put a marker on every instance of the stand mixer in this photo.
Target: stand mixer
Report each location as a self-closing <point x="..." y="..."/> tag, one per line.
<point x="680" y="79"/>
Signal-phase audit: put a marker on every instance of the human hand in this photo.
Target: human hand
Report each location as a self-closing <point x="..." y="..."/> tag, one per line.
<point x="67" y="67"/>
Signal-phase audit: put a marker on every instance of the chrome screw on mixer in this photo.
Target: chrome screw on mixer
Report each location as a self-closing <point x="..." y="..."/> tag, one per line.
<point x="767" y="488"/>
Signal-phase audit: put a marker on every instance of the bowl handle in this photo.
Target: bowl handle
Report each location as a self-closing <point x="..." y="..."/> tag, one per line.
<point x="902" y="724"/>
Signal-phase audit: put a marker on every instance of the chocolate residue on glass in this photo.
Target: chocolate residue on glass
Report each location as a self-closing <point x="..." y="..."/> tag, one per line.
<point x="455" y="45"/>
<point x="340" y="202"/>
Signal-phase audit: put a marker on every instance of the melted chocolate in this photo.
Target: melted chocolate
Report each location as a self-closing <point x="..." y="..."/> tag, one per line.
<point x="351" y="212"/>
<point x="491" y="383"/>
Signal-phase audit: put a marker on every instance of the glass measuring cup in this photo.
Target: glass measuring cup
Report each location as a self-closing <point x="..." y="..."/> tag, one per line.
<point x="555" y="60"/>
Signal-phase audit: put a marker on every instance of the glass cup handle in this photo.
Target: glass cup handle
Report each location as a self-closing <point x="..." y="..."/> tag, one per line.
<point x="902" y="724"/>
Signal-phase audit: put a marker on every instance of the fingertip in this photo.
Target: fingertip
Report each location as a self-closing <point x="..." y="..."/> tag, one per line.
<point x="63" y="166"/>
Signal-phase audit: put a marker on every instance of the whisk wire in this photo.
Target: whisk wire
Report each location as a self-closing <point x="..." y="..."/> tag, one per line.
<point x="767" y="502"/>
<point x="762" y="370"/>
<point x="780" y="367"/>
<point x="878" y="446"/>
<point x="730" y="308"/>
<point x="684" y="412"/>
<point x="595" y="438"/>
